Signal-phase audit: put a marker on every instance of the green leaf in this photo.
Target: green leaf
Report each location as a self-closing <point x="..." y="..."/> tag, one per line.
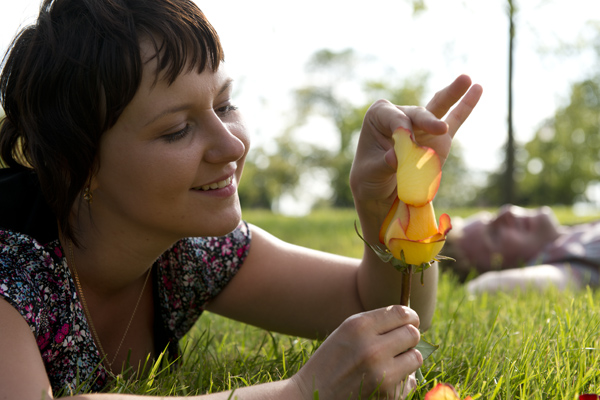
<point x="419" y="376"/>
<point x="426" y="348"/>
<point x="400" y="265"/>
<point x="440" y="257"/>
<point x="383" y="254"/>
<point x="422" y="267"/>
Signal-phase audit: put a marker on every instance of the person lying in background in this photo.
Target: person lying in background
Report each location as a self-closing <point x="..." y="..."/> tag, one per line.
<point x="522" y="248"/>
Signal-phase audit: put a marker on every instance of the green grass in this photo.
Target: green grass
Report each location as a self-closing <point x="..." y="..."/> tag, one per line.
<point x="519" y="345"/>
<point x="326" y="230"/>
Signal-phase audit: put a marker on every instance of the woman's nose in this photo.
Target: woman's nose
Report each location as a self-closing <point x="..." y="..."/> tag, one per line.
<point x="229" y="142"/>
<point x="506" y="208"/>
<point x="506" y="215"/>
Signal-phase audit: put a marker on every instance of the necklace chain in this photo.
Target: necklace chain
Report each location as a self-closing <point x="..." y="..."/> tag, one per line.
<point x="89" y="316"/>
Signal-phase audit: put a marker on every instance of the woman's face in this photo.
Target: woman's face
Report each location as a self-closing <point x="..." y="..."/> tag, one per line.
<point x="172" y="163"/>
<point x="508" y="239"/>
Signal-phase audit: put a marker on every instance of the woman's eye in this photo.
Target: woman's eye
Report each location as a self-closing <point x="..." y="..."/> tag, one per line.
<point x="175" y="136"/>
<point x="226" y="109"/>
<point x="494" y="233"/>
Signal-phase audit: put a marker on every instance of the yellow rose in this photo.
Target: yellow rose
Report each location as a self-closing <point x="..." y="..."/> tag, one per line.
<point x="410" y="231"/>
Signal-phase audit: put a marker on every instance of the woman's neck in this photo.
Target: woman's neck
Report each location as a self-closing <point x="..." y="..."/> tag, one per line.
<point x="112" y="257"/>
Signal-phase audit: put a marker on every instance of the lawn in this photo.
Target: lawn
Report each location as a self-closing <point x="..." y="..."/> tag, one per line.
<point x="519" y="345"/>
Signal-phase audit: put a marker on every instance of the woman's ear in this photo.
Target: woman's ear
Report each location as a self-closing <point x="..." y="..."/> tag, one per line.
<point x="92" y="181"/>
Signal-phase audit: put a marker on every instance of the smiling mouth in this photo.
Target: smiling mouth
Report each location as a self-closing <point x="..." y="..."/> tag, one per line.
<point x="216" y="185"/>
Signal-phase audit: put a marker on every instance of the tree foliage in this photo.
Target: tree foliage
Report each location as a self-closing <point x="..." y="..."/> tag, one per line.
<point x="269" y="175"/>
<point x="335" y="93"/>
<point x="333" y="74"/>
<point x="562" y="160"/>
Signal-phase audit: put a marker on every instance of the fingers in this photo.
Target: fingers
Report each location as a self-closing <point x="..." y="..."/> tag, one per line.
<point x="396" y="330"/>
<point x="443" y="100"/>
<point x="409" y="385"/>
<point x="371" y="352"/>
<point x="389" y="356"/>
<point x="462" y="111"/>
<point x="393" y="381"/>
<point x="392" y="317"/>
<point x="386" y="117"/>
<point x="446" y="98"/>
<point x="424" y="120"/>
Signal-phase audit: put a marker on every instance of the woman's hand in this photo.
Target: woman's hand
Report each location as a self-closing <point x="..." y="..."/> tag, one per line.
<point x="373" y="173"/>
<point x="373" y="182"/>
<point x="371" y="352"/>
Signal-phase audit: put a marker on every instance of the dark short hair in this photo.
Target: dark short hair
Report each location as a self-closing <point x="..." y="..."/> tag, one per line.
<point x="67" y="78"/>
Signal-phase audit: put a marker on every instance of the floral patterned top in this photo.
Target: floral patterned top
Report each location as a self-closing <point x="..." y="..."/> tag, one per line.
<point x="36" y="280"/>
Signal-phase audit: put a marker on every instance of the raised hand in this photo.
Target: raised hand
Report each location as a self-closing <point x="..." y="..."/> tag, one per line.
<point x="427" y="133"/>
<point x="372" y="176"/>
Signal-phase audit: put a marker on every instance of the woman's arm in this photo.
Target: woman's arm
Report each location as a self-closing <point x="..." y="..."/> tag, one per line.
<point x="371" y="351"/>
<point x="286" y="389"/>
<point x="303" y="292"/>
<point x="23" y="376"/>
<point x="537" y="277"/>
<point x="373" y="183"/>
<point x="22" y="372"/>
<point x="290" y="289"/>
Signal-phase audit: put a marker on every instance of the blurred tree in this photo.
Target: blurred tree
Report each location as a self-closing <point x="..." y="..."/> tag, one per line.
<point x="332" y="74"/>
<point x="458" y="187"/>
<point x="563" y="158"/>
<point x="508" y="182"/>
<point x="328" y="96"/>
<point x="337" y="95"/>
<point x="418" y="6"/>
<point x="562" y="161"/>
<point x="559" y="164"/>
<point x="501" y="187"/>
<point x="267" y="176"/>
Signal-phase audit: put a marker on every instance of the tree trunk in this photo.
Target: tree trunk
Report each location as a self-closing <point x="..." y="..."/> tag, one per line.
<point x="509" y="181"/>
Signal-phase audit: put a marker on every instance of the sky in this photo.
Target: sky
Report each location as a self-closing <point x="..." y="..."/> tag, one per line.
<point x="268" y="42"/>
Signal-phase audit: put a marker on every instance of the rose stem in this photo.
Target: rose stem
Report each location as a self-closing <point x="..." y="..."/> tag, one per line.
<point x="406" y="280"/>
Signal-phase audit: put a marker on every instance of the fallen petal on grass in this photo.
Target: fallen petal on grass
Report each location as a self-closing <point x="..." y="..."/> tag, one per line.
<point x="443" y="391"/>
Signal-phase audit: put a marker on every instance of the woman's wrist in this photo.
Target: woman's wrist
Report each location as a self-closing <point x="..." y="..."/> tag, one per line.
<point x="298" y="389"/>
<point x="371" y="215"/>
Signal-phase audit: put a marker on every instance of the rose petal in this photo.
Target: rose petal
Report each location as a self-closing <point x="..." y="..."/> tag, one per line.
<point x="442" y="391"/>
<point x="391" y="215"/>
<point x="419" y="170"/>
<point x="422" y="222"/>
<point x="415" y="253"/>
<point x="445" y="224"/>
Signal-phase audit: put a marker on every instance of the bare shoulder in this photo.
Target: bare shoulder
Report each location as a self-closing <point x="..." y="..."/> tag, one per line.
<point x="22" y="372"/>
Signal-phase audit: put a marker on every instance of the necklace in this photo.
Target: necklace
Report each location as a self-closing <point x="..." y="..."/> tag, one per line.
<point x="89" y="316"/>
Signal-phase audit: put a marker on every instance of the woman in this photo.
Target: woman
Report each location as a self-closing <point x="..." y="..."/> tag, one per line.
<point x="121" y="221"/>
<point x="499" y="245"/>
